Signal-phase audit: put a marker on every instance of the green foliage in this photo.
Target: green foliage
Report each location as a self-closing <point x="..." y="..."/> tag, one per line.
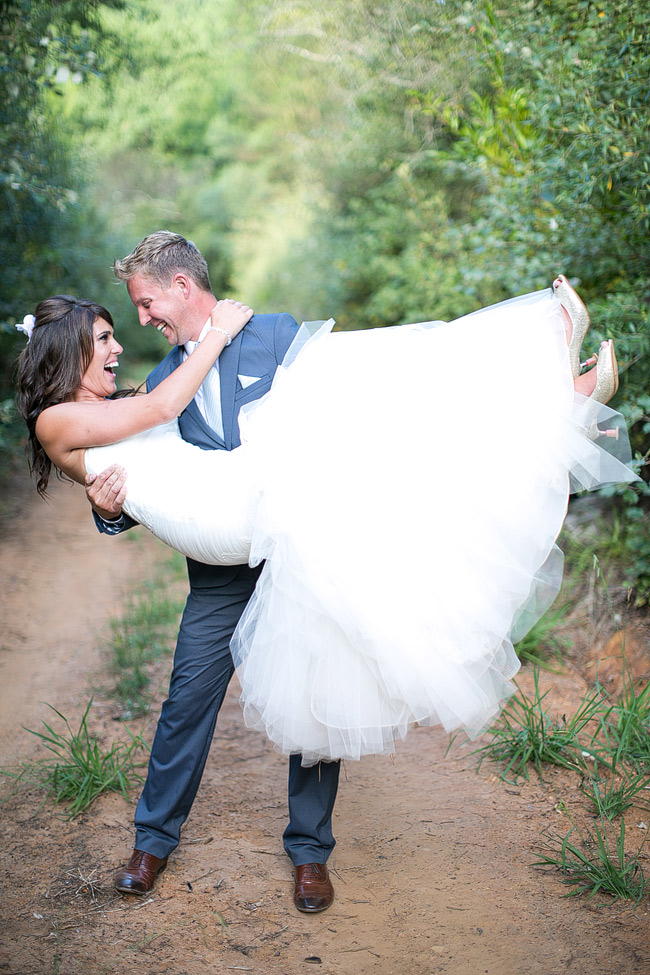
<point x="614" y="735"/>
<point x="50" y="239"/>
<point x="593" y="867"/>
<point x="624" y="728"/>
<point x="10" y="433"/>
<point x="381" y="162"/>
<point x="44" y="45"/>
<point x="139" y="636"/>
<point x="611" y="798"/>
<point x="545" y="638"/>
<point x="82" y="769"/>
<point x="527" y="734"/>
<point x="632" y="540"/>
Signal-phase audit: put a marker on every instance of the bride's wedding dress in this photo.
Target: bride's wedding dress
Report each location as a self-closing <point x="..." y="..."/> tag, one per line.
<point x="405" y="486"/>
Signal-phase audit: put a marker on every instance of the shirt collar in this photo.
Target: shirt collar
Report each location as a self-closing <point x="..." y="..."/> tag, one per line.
<point x="190" y="346"/>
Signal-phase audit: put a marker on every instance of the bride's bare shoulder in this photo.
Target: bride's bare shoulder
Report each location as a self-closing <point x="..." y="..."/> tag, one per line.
<point x="54" y="421"/>
<point x="52" y="418"/>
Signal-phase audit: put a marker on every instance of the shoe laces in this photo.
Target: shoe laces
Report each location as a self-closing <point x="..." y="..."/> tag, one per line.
<point x="314" y="871"/>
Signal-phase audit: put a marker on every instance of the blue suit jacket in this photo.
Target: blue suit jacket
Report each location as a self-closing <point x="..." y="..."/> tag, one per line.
<point x="256" y="352"/>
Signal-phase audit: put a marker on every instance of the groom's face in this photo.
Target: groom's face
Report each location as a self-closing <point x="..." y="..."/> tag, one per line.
<point x="164" y="308"/>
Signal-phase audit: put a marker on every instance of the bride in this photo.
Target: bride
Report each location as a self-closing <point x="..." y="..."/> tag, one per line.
<point x="405" y="487"/>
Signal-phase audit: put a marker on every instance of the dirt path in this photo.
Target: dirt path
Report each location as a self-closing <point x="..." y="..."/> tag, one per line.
<point x="432" y="870"/>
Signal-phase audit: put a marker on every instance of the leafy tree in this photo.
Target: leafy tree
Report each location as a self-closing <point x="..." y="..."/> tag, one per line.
<point x="379" y="161"/>
<point x="45" y="228"/>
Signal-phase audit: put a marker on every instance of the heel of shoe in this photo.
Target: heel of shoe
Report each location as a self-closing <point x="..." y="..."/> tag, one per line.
<point x="594" y="433"/>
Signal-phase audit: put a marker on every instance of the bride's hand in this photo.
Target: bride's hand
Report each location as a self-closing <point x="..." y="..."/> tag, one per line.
<point x="230" y="315"/>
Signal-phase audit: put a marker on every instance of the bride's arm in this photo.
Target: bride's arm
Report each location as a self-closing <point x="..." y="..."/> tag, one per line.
<point x="68" y="427"/>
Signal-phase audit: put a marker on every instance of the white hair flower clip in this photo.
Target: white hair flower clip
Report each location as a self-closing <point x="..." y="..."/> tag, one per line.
<point x="27" y="326"/>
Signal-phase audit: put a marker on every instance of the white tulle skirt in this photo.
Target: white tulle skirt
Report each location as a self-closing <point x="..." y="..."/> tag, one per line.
<point x="405" y="487"/>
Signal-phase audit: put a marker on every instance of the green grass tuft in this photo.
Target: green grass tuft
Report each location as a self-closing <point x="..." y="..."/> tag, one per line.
<point x="82" y="768"/>
<point x="624" y="728"/>
<point x="528" y="735"/>
<point x="595" y="868"/>
<point x="614" y="797"/>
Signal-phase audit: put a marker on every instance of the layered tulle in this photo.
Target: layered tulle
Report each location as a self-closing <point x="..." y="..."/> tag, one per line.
<point x="405" y="487"/>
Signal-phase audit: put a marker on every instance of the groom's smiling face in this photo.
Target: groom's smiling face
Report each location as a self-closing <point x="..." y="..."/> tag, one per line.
<point x="165" y="308"/>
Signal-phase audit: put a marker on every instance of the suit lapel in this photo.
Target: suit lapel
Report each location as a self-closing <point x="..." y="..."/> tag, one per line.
<point x="194" y="428"/>
<point x="171" y="361"/>
<point x="228" y="369"/>
<point x="192" y="424"/>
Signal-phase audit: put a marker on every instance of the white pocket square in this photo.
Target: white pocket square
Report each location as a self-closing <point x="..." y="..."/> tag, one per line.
<point x="248" y="380"/>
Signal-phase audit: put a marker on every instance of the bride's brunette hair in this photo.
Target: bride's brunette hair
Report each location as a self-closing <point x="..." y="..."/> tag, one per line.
<point x="51" y="366"/>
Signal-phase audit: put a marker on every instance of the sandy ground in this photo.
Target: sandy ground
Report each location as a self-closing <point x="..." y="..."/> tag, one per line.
<point x="433" y="864"/>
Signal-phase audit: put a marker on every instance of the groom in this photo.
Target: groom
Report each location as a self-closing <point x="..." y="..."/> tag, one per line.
<point x="167" y="280"/>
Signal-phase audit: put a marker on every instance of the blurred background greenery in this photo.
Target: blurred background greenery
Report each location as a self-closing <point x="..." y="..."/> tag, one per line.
<point x="379" y="161"/>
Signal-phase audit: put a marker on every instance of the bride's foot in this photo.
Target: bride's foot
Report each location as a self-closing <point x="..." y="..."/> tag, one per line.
<point x="576" y="318"/>
<point x="601" y="382"/>
<point x="586" y="383"/>
<point x="606" y="373"/>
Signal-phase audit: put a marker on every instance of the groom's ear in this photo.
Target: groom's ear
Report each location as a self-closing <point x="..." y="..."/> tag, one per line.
<point x="184" y="283"/>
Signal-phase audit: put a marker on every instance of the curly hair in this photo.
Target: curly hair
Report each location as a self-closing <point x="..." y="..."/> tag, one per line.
<point x="51" y="366"/>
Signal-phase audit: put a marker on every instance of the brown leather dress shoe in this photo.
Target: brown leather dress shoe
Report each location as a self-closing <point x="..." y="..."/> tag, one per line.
<point x="313" y="890"/>
<point x="139" y="875"/>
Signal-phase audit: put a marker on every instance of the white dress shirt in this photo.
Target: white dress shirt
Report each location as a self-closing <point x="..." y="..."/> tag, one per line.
<point x="216" y="421"/>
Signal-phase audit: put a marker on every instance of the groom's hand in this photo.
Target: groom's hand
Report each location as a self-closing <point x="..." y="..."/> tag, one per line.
<point x="107" y="491"/>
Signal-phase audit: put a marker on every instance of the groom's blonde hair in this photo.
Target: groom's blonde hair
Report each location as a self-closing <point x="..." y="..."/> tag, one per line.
<point x="162" y="255"/>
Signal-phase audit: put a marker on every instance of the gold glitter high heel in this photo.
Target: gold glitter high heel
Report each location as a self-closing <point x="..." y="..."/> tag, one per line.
<point x="606" y="373"/>
<point x="579" y="316"/>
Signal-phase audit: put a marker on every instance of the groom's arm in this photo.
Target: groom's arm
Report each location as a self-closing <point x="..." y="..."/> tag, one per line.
<point x="114" y="527"/>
